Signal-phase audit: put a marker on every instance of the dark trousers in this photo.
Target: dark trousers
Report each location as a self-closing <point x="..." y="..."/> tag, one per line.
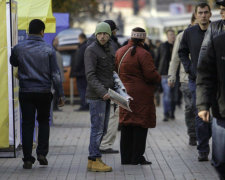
<point x="81" y="87"/>
<point x="203" y="129"/>
<point x="31" y="104"/>
<point x="132" y="144"/>
<point x="189" y="110"/>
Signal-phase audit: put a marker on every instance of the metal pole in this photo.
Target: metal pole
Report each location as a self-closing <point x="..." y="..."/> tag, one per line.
<point x="14" y="135"/>
<point x="71" y="91"/>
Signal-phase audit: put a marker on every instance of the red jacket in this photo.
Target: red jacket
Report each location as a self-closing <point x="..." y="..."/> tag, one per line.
<point x="139" y="76"/>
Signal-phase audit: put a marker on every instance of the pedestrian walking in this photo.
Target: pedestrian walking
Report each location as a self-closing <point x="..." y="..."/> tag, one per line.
<point x="214" y="29"/>
<point x="99" y="67"/>
<point x="162" y="62"/>
<point x="37" y="71"/>
<point x="136" y="69"/>
<point x="189" y="52"/>
<point x="175" y="65"/>
<point x="59" y="60"/>
<point x="210" y="83"/>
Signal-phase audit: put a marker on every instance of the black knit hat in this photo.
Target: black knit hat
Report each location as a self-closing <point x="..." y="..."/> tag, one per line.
<point x="220" y="2"/>
<point x="112" y="24"/>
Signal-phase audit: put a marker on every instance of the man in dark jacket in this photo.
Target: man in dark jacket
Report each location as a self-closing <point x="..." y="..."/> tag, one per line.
<point x="209" y="90"/>
<point x="191" y="44"/>
<point x="162" y="62"/>
<point x="79" y="72"/>
<point x="214" y="29"/>
<point x="110" y="137"/>
<point x="99" y="67"/>
<point x="37" y="70"/>
<point x="211" y="83"/>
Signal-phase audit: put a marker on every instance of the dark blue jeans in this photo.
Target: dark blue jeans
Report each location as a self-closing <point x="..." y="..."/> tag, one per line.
<point x="203" y="129"/>
<point x="99" y="111"/>
<point x="218" y="145"/>
<point x="168" y="97"/>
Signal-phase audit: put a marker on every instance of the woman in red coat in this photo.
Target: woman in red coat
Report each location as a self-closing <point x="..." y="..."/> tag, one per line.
<point x="137" y="71"/>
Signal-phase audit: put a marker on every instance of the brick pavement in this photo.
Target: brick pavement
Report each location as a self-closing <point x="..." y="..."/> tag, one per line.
<point x="167" y="148"/>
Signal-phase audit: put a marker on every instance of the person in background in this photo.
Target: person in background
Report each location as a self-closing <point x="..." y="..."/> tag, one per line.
<point x="78" y="71"/>
<point x="109" y="138"/>
<point x="162" y="62"/>
<point x="151" y="47"/>
<point x="189" y="53"/>
<point x="59" y="60"/>
<point x="113" y="37"/>
<point x="136" y="70"/>
<point x="37" y="71"/>
<point x="176" y="64"/>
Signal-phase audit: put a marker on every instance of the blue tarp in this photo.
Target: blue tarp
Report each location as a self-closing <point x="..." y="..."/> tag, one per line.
<point x="62" y="22"/>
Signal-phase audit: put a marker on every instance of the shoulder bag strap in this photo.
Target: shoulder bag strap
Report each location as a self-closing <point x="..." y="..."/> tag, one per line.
<point x="123" y="58"/>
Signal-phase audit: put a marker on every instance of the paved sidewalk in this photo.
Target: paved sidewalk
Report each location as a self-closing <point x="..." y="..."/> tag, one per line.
<point x="167" y="147"/>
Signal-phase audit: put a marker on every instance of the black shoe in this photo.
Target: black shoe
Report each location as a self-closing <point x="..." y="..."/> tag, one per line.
<point x="203" y="156"/>
<point x="145" y="162"/>
<point x="42" y="160"/>
<point x="192" y="141"/>
<point x="141" y="161"/>
<point x="27" y="165"/>
<point x="171" y="116"/>
<point x="165" y="119"/>
<point x="109" y="151"/>
<point x="28" y="162"/>
<point x="125" y="163"/>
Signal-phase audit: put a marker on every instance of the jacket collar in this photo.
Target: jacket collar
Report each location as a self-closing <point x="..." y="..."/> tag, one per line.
<point x="35" y="37"/>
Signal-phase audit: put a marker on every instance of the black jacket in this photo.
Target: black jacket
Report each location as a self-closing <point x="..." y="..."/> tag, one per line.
<point x="191" y="44"/>
<point x="211" y="78"/>
<point x="163" y="57"/>
<point x="99" y="66"/>
<point x="214" y="29"/>
<point x="77" y="67"/>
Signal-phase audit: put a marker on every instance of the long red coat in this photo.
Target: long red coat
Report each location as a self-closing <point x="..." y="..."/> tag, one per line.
<point x="139" y="76"/>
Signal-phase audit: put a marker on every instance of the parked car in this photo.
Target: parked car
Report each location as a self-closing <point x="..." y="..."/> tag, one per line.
<point x="68" y="44"/>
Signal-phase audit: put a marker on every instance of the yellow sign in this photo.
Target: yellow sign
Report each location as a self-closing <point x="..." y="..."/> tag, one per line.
<point x="36" y="9"/>
<point x="4" y="101"/>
